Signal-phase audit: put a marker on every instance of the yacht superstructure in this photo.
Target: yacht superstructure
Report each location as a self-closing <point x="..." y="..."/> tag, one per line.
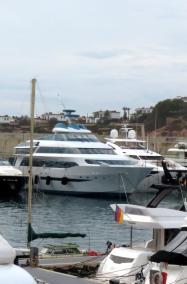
<point x="72" y="161"/>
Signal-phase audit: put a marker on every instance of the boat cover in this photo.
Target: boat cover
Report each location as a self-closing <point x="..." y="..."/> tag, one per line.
<point x="152" y="218"/>
<point x="175" y="252"/>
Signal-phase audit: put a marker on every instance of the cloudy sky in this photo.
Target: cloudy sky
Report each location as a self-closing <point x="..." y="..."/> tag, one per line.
<point x="91" y="54"/>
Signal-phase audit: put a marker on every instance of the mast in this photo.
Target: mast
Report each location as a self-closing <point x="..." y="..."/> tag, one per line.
<point x="31" y="235"/>
<point x="33" y="87"/>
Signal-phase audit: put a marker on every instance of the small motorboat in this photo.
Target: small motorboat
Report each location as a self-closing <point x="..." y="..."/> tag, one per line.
<point x="123" y="264"/>
<point x="12" y="180"/>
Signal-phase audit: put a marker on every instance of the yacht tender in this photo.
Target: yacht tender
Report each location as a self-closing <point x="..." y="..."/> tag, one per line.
<point x="73" y="161"/>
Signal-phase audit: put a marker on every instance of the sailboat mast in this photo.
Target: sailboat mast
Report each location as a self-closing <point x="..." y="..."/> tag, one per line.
<point x="33" y="86"/>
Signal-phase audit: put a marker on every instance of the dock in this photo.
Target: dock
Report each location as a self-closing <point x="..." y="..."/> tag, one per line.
<point x="45" y="271"/>
<point x="51" y="277"/>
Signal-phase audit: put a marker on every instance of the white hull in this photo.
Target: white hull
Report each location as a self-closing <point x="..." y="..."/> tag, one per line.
<point x="88" y="180"/>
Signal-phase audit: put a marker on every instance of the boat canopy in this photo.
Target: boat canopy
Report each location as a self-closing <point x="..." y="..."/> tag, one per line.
<point x="73" y="127"/>
<point x="151" y="218"/>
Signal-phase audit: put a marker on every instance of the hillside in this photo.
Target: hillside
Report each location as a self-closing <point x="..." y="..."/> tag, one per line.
<point x="168" y="117"/>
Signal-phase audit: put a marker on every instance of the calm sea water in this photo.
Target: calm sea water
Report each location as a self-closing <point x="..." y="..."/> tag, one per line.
<point x="50" y="213"/>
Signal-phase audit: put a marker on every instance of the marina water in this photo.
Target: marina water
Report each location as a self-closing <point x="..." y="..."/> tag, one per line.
<point x="51" y="213"/>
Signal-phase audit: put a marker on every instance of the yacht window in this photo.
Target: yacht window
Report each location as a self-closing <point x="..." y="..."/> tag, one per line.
<point x="134" y="157"/>
<point x="48" y="163"/>
<point x="63" y="150"/>
<point x="109" y="162"/>
<point x="96" y="151"/>
<point x="152" y="158"/>
<point x="119" y="259"/>
<point x="129" y="145"/>
<point x="22" y="151"/>
<point x="57" y="150"/>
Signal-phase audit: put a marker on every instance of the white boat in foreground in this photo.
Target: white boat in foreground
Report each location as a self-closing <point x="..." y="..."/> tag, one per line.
<point x="73" y="161"/>
<point x="125" y="264"/>
<point x="9" y="272"/>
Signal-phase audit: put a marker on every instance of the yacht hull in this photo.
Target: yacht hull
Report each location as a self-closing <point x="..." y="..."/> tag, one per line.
<point x="88" y="180"/>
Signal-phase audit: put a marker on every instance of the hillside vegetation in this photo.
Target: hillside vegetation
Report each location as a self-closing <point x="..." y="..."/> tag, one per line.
<point x="169" y="118"/>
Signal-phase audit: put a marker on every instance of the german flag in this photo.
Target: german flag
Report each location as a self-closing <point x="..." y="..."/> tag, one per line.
<point x="119" y="215"/>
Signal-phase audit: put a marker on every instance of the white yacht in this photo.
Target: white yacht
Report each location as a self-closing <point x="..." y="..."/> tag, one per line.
<point x="11" y="179"/>
<point x="179" y="153"/>
<point x="125" y="142"/>
<point x="73" y="161"/>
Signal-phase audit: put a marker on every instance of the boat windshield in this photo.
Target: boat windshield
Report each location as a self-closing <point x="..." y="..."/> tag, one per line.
<point x="80" y="137"/>
<point x="4" y="162"/>
<point x="172" y="199"/>
<point x="119" y="259"/>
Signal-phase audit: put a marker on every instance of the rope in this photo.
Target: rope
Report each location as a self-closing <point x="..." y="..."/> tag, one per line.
<point x="124" y="187"/>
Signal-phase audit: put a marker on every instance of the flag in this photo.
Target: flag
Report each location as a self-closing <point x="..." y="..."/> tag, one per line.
<point x="119" y="215"/>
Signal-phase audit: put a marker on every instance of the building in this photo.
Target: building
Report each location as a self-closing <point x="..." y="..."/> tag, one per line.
<point x="6" y="119"/>
<point x="104" y="115"/>
<point x="50" y="115"/>
<point x="143" y="110"/>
